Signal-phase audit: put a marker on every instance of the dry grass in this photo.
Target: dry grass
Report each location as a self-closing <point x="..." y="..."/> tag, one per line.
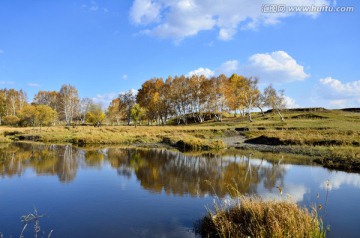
<point x="183" y="137"/>
<point x="255" y="217"/>
<point x="331" y="135"/>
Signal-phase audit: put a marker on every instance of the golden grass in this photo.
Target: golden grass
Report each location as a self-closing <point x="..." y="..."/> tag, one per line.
<point x="254" y="217"/>
<point x="190" y="137"/>
<point x="331" y="135"/>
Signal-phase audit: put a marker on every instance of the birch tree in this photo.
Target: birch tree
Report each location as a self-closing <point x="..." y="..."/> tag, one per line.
<point x="251" y="94"/>
<point x="275" y="100"/>
<point x="69" y="101"/>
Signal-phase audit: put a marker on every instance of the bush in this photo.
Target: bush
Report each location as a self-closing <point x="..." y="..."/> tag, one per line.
<point x="11" y="120"/>
<point x="255" y="217"/>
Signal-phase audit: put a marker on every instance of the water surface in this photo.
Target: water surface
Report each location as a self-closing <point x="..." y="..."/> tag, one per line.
<point x="117" y="192"/>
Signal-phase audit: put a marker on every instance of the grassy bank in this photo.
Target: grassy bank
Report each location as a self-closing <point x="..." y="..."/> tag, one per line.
<point x="255" y="217"/>
<point x="331" y="137"/>
<point x="182" y="137"/>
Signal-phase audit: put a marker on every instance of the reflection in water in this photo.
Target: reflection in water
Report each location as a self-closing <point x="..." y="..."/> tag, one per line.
<point x="44" y="159"/>
<point x="178" y="187"/>
<point x="339" y="179"/>
<point x="157" y="170"/>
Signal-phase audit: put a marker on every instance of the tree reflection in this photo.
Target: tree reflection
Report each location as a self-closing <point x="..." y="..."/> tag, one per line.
<point x="44" y="159"/>
<point x="157" y="170"/>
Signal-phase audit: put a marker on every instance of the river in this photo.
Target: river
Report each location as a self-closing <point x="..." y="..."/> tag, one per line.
<point x="131" y="192"/>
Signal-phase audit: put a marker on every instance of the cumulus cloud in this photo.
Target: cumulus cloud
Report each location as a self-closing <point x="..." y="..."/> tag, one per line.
<point x="338" y="93"/>
<point x="275" y="67"/>
<point x="339" y="179"/>
<point x="339" y="90"/>
<point x="144" y="11"/>
<point x="183" y="18"/>
<point x="228" y="67"/>
<point x="290" y="102"/>
<point x="202" y="71"/>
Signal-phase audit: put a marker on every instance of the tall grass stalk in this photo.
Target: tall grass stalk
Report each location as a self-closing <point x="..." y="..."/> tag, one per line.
<point x="253" y="216"/>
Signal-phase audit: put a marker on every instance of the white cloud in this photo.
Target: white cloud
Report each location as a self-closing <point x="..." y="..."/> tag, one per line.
<point x="228" y="67"/>
<point x="339" y="90"/>
<point x="294" y="192"/>
<point x="34" y="85"/>
<point x="144" y="11"/>
<point x="125" y="77"/>
<point x="202" y="71"/>
<point x="338" y="93"/>
<point x="275" y="67"/>
<point x="183" y="18"/>
<point x="339" y="179"/>
<point x="290" y="102"/>
<point x="104" y="99"/>
<point x="6" y="83"/>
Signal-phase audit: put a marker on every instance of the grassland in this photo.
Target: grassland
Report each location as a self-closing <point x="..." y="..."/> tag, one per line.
<point x="330" y="137"/>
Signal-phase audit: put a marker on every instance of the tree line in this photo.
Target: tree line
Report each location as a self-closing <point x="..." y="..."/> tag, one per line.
<point x="195" y="98"/>
<point x="48" y="108"/>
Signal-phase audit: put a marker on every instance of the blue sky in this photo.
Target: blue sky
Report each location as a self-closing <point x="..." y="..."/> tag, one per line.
<point x="106" y="47"/>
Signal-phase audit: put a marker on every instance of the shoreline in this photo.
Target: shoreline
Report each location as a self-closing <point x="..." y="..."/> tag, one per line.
<point x="319" y="156"/>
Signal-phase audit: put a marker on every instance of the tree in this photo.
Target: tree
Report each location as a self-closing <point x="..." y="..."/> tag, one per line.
<point x="69" y="101"/>
<point x="275" y="100"/>
<point x="84" y="107"/>
<point x="10" y="120"/>
<point x="113" y="112"/>
<point x="153" y="97"/>
<point x="234" y="92"/>
<point x="251" y="94"/>
<point x="3" y="105"/>
<point x="28" y="115"/>
<point x="220" y="91"/>
<point x="48" y="98"/>
<point x="45" y="115"/>
<point x="136" y="113"/>
<point x="179" y="91"/>
<point x="126" y="102"/>
<point x="261" y="102"/>
<point x="95" y="114"/>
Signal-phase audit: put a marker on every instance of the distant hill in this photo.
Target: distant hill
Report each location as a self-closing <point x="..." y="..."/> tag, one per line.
<point x="304" y="109"/>
<point x="355" y="109"/>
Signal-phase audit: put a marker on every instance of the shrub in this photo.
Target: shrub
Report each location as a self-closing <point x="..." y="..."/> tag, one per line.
<point x="10" y="120"/>
<point x="256" y="217"/>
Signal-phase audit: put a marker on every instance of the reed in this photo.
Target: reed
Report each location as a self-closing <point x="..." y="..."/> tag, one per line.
<point x="253" y="216"/>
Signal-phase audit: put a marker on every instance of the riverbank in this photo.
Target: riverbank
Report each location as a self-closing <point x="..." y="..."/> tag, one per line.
<point x="330" y="137"/>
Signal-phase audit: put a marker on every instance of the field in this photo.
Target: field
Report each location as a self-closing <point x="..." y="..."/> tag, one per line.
<point x="330" y="137"/>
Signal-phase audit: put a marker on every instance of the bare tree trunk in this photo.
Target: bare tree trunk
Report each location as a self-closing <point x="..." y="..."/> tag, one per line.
<point x="281" y="117"/>
<point x="262" y="111"/>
